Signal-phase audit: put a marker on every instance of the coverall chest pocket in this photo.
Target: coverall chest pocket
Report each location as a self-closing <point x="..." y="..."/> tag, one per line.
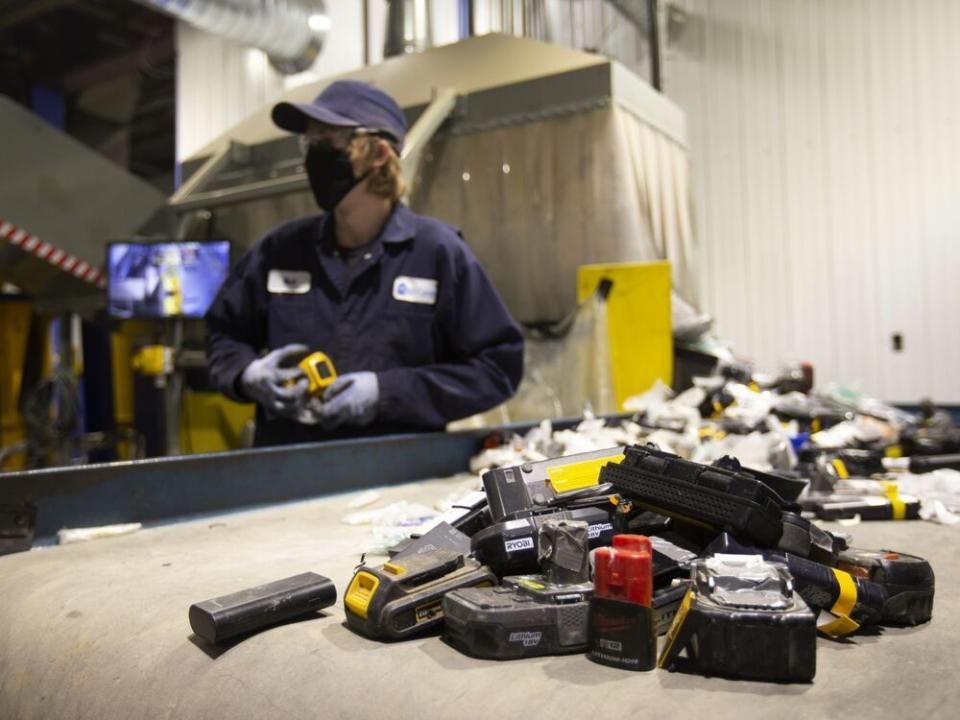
<point x="293" y="319"/>
<point x="410" y="331"/>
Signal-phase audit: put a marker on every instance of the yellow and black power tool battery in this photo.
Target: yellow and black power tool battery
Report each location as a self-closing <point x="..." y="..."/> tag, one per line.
<point x="405" y="598"/>
<point x="319" y="371"/>
<point x="529" y="486"/>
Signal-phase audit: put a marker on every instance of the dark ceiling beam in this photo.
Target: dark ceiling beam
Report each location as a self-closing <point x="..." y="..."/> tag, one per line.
<point x="11" y="18"/>
<point x="153" y="53"/>
<point x="100" y="12"/>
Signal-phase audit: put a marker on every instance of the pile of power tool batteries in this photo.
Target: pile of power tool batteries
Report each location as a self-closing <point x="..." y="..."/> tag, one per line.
<point x="600" y="553"/>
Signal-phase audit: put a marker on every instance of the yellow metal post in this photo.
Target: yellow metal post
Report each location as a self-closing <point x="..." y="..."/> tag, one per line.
<point x="121" y="350"/>
<point x="14" y="335"/>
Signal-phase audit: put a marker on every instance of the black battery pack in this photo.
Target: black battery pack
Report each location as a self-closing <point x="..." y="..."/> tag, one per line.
<point x="869" y="507"/>
<point x="704" y="495"/>
<point x="741" y="619"/>
<point x="665" y="604"/>
<point x="802" y="538"/>
<point x="443" y="536"/>
<point x="670" y="562"/>
<point x="543" y="614"/>
<point x="242" y="612"/>
<point x="507" y="623"/>
<point x="517" y="489"/>
<point x="855" y="601"/>
<point x="511" y="547"/>
<point x="404" y="598"/>
<point x="542" y="590"/>
<point x="907" y="580"/>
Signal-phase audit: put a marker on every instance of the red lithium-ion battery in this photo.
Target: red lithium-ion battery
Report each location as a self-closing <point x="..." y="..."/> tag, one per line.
<point x="625" y="571"/>
<point x="621" y="630"/>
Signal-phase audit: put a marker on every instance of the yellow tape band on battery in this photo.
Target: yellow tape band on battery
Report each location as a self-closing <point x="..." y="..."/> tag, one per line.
<point x="675" y="627"/>
<point x="894" y="451"/>
<point x="360" y="593"/>
<point x="841" y="469"/>
<point x="576" y="476"/>
<point x="846" y="601"/>
<point x="897" y="506"/>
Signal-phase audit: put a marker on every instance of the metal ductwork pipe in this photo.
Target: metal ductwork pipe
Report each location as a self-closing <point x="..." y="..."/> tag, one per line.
<point x="290" y="32"/>
<point x="409" y="27"/>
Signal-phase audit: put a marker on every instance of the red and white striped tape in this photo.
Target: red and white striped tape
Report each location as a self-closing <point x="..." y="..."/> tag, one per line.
<point x="53" y="255"/>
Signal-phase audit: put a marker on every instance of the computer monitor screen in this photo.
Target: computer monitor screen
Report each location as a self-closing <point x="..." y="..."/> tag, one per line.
<point x="165" y="279"/>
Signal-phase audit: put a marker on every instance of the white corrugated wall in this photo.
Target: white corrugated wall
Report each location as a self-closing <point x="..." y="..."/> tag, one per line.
<point x="220" y="83"/>
<point x="825" y="150"/>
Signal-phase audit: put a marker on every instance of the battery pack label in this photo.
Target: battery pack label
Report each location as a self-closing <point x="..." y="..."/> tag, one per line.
<point x="527" y="639"/>
<point x="594" y="531"/>
<point x="613" y="645"/>
<point x="519" y="544"/>
<point x="429" y="611"/>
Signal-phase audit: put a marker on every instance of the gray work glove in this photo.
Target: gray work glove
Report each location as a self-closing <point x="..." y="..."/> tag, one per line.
<point x="265" y="381"/>
<point x="351" y="399"/>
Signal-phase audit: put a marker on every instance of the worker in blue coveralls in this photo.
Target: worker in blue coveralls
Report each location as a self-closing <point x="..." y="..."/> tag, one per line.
<point x="416" y="332"/>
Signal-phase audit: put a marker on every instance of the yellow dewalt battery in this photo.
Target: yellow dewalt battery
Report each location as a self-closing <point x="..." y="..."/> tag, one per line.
<point x="401" y="599"/>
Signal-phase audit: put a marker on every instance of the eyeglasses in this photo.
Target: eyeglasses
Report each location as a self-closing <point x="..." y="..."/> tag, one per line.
<point x="336" y="137"/>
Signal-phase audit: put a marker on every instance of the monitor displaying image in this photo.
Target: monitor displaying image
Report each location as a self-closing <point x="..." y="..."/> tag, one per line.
<point x="165" y="279"/>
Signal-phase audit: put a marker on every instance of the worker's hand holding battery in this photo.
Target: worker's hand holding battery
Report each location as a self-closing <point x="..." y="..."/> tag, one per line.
<point x="276" y="382"/>
<point x="350" y="400"/>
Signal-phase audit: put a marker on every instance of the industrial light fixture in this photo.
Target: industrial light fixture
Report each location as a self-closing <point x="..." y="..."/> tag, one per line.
<point x="290" y="32"/>
<point x="319" y="23"/>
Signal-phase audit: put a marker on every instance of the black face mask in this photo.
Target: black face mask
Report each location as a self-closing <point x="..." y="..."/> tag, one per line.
<point x="330" y="173"/>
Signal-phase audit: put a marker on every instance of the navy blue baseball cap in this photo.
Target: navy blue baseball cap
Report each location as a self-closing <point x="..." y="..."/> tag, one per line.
<point x="347" y="103"/>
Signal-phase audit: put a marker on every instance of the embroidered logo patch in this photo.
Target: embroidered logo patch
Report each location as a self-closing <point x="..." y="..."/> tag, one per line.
<point x="415" y="290"/>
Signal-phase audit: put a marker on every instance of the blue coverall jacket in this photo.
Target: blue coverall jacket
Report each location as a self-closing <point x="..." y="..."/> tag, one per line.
<point x="417" y="309"/>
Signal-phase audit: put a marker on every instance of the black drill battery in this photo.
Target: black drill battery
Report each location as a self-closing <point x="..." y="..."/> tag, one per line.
<point x="544" y="614"/>
<point x="401" y="599"/>
<point x="709" y="496"/>
<point x="510" y="547"/>
<point x="741" y="618"/>
<point x="907" y="580"/>
<point x="507" y="623"/>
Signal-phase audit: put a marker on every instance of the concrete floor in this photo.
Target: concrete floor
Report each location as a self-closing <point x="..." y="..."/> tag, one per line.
<point x="99" y="630"/>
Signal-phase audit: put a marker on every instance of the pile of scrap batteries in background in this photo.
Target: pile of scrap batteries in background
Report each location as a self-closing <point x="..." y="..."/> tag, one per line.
<point x="692" y="521"/>
<point x="856" y="457"/>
